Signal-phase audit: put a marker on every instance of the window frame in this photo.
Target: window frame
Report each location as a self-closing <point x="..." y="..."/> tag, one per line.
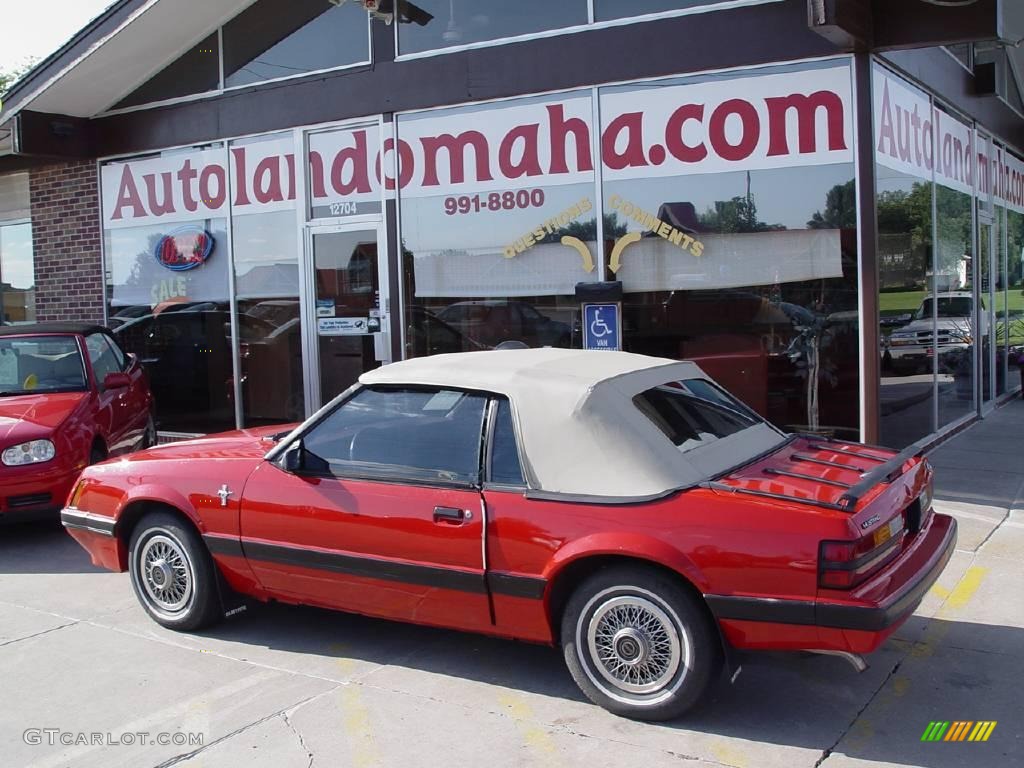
<point x="16" y="222"/>
<point x="105" y="337"/>
<point x="383" y="475"/>
<point x="491" y="427"/>
<point x="576" y="29"/>
<point x="222" y="90"/>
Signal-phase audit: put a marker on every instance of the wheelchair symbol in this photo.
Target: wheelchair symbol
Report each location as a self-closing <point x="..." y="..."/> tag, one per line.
<point x="599" y="328"/>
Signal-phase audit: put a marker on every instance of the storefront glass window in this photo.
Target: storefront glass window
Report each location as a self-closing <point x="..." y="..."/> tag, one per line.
<point x="733" y="231"/>
<point x="196" y="71"/>
<point x="999" y="302"/>
<point x="17" y="274"/>
<point x="951" y="277"/>
<point x="281" y="38"/>
<point x="167" y="271"/>
<point x="267" y="289"/>
<point x="498" y="223"/>
<point x="439" y="24"/>
<point x="1014" y="321"/>
<point x="907" y="307"/>
<point x="619" y="9"/>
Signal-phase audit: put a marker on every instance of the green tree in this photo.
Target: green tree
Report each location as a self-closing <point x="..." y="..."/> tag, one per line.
<point x="840" y="208"/>
<point x="736" y="215"/>
<point x="11" y="76"/>
<point x="587" y="230"/>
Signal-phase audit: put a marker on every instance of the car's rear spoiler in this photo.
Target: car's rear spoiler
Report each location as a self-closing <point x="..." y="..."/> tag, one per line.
<point x="883" y="473"/>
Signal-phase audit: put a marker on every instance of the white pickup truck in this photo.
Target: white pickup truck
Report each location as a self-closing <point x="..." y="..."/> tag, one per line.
<point x="912" y="347"/>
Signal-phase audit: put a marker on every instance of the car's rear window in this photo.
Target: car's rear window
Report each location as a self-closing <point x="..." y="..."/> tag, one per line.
<point x="694" y="412"/>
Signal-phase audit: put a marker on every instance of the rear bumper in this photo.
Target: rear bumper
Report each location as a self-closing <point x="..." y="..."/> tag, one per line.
<point x="935" y="551"/>
<point x="859" y="622"/>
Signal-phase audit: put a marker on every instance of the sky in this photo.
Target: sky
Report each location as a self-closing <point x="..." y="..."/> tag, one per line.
<point x="38" y="28"/>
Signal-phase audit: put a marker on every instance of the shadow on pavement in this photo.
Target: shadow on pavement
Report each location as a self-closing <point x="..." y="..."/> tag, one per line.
<point x="41" y="547"/>
<point x="793" y="700"/>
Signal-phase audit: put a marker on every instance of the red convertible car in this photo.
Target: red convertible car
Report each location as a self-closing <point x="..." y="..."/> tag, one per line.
<point x="69" y="397"/>
<point x="623" y="507"/>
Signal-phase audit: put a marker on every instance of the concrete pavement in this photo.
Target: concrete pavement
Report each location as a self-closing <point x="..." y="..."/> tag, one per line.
<point x="282" y="686"/>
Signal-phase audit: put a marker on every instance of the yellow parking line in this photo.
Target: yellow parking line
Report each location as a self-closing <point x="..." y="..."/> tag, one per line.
<point x="358" y="728"/>
<point x="533" y="734"/>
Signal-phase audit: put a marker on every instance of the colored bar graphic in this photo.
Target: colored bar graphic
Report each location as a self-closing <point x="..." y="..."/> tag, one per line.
<point x="935" y="730"/>
<point x="959" y="730"/>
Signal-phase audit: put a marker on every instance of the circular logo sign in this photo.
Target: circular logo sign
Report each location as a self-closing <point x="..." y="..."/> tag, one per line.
<point x="184" y="248"/>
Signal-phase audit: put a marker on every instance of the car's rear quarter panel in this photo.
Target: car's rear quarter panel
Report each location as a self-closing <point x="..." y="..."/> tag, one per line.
<point x="722" y="544"/>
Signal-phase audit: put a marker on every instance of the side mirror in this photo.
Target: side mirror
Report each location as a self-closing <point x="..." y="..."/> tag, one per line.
<point x="294" y="459"/>
<point x="117" y="380"/>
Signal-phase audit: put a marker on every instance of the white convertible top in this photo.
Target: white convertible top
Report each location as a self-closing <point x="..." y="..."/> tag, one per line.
<point x="579" y="432"/>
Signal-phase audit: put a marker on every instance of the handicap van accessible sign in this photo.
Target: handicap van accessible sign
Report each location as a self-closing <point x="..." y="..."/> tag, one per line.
<point x="602" y="326"/>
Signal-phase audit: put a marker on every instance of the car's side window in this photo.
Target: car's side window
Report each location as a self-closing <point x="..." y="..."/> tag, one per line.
<point x="505" y="467"/>
<point x="420" y="435"/>
<point x="101" y="356"/>
<point x="119" y="355"/>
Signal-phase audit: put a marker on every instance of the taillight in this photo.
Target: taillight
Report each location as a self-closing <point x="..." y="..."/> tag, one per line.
<point x="845" y="564"/>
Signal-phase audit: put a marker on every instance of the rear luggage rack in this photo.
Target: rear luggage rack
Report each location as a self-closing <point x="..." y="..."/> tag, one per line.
<point x="884" y="473"/>
<point x="716" y="486"/>
<point x="858" y="454"/>
<point x="812" y="478"/>
<point x="823" y="462"/>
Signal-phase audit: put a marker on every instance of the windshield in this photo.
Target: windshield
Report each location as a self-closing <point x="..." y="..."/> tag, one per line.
<point x="694" y="412"/>
<point x="952" y="306"/>
<point x="36" y="364"/>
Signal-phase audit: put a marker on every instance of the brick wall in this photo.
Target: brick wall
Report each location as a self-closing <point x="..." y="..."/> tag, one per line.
<point x="66" y="241"/>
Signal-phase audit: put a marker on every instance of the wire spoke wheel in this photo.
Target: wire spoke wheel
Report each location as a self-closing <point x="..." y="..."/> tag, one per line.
<point x="166" y="573"/>
<point x="634" y="644"/>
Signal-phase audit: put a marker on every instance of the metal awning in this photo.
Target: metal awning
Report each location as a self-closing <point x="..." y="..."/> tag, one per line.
<point x="114" y="54"/>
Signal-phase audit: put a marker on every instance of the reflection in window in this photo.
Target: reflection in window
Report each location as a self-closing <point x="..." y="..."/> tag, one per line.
<point x="195" y="71"/>
<point x="176" y="322"/>
<point x="459" y="22"/>
<point x="17" y="274"/>
<point x="281" y="38"/>
<point x="751" y="274"/>
<point x="491" y="255"/>
<point x="619" y="9"/>
<point x="1013" y="322"/>
<point x="269" y="329"/>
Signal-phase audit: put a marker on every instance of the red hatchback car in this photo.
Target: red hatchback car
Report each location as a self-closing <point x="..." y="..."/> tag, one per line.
<point x="69" y="397"/>
<point x="621" y="506"/>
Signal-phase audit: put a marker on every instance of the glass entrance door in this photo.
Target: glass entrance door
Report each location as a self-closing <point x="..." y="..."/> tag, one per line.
<point x="346" y="311"/>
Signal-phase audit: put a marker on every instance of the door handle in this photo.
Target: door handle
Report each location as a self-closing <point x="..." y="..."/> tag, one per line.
<point x="451" y="515"/>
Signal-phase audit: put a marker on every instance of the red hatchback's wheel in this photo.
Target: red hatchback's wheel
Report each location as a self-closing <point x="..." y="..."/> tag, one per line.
<point x="639" y="644"/>
<point x="172" y="573"/>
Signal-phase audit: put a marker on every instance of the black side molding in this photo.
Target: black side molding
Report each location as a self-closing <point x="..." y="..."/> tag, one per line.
<point x="86" y="521"/>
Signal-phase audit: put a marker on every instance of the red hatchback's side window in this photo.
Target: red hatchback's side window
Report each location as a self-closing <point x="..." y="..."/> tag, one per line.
<point x="103" y="357"/>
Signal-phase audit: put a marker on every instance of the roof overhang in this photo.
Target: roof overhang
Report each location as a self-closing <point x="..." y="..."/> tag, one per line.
<point x="899" y="24"/>
<point x="114" y="54"/>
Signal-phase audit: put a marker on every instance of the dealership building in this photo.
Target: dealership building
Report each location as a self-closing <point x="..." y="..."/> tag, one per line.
<point x="819" y="201"/>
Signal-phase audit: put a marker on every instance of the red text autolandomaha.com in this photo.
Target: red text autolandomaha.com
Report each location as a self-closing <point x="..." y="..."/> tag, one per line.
<point x="555" y="146"/>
